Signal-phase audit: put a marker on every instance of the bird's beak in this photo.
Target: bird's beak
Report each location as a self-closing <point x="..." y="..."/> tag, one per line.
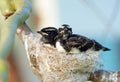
<point x="42" y="33"/>
<point x="39" y="32"/>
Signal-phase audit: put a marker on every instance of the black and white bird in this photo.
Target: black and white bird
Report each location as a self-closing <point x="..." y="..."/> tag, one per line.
<point x="48" y="35"/>
<point x="87" y="50"/>
<point x="73" y="43"/>
<point x="67" y="42"/>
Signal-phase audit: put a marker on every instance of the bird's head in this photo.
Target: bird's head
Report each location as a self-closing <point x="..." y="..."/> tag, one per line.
<point x="48" y="34"/>
<point x="65" y="31"/>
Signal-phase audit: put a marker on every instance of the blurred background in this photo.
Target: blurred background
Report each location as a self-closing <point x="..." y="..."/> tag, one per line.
<point x="96" y="19"/>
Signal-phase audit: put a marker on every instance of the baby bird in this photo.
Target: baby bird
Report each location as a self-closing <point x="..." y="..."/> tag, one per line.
<point x="73" y="43"/>
<point x="48" y="35"/>
<point x="67" y="42"/>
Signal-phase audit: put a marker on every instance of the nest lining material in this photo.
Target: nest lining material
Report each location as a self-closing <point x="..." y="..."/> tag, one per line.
<point x="52" y="66"/>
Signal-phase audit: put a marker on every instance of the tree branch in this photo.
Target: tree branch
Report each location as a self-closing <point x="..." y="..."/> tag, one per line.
<point x="105" y="76"/>
<point x="16" y="13"/>
<point x="8" y="31"/>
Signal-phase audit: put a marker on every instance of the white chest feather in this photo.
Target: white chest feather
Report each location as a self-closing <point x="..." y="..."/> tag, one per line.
<point x="59" y="47"/>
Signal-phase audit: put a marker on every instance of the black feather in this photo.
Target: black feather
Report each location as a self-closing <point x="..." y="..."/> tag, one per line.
<point x="48" y="35"/>
<point x="80" y="42"/>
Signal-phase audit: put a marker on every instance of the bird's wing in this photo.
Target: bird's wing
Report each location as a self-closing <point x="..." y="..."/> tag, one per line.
<point x="83" y="43"/>
<point x="98" y="46"/>
<point x="77" y="41"/>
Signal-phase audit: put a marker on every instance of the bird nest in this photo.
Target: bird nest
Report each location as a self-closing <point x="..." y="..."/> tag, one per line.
<point x="52" y="66"/>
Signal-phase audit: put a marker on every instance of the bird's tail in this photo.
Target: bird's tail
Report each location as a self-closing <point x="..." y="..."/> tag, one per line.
<point x="105" y="49"/>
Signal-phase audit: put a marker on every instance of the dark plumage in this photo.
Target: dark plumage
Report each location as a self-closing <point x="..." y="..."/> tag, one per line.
<point x="84" y="43"/>
<point x="65" y="41"/>
<point x="69" y="41"/>
<point x="65" y="31"/>
<point x="48" y="35"/>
